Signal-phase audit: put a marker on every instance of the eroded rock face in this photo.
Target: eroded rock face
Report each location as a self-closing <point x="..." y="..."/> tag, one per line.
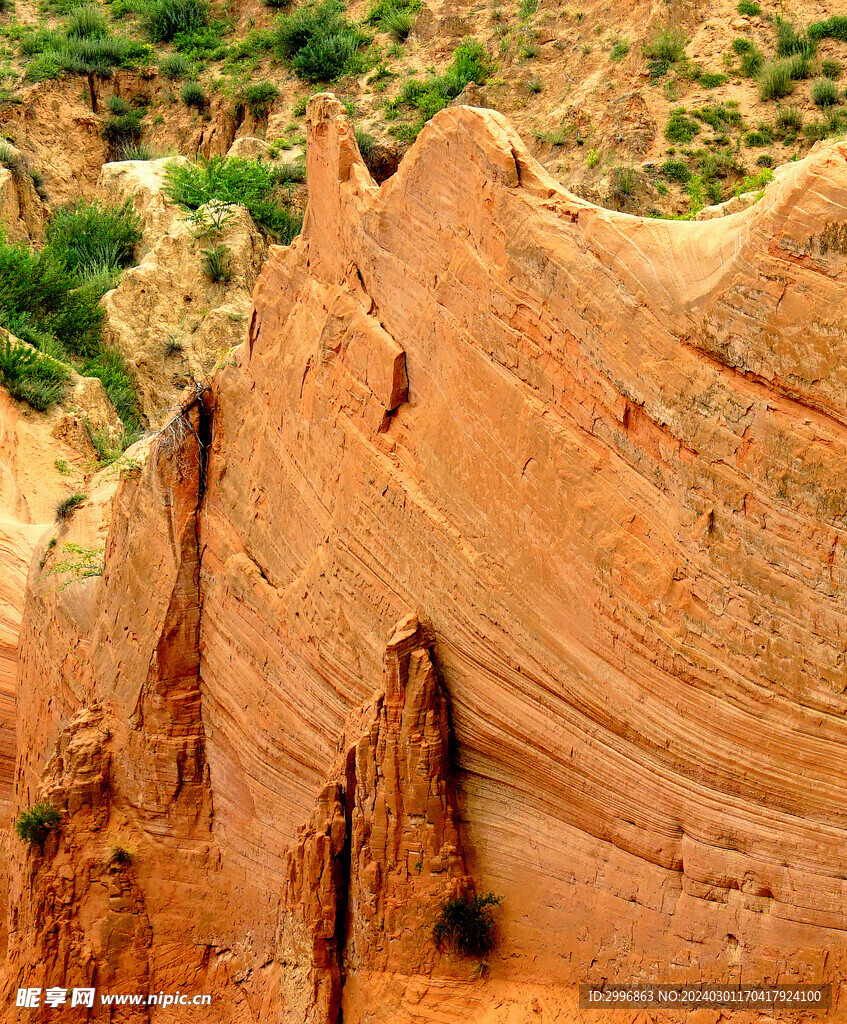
<point x="604" y="459"/>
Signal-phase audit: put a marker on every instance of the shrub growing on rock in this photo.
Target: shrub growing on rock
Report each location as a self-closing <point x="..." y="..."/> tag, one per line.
<point x="216" y="264"/>
<point x="33" y="826"/>
<point x="88" y="236"/>
<point x="67" y="506"/>
<point x="176" y="66"/>
<point x="193" y="96"/>
<point x="824" y="93"/>
<point x="466" y="925"/>
<point x="775" y="80"/>
<point x="259" y="98"/>
<point x="31" y="377"/>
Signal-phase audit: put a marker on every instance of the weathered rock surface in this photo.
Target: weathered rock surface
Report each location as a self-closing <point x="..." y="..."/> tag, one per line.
<point x="604" y="459"/>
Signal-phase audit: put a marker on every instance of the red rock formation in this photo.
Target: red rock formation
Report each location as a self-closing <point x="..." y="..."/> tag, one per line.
<point x="604" y="457"/>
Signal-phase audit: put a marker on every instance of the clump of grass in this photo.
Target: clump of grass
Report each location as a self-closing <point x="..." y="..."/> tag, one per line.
<point x="831" y="28"/>
<point x="831" y="69"/>
<point x="193" y="95"/>
<point x="176" y="66"/>
<point x="676" y="170"/>
<point x="33" y="826"/>
<point x="216" y="264"/>
<point x="87" y="236"/>
<point x="67" y="506"/>
<point x="466" y="925"/>
<point x="824" y="93"/>
<point x="789" y="41"/>
<point x="752" y="61"/>
<point x="623" y="182"/>
<point x="667" y="45"/>
<point x="259" y="98"/>
<point x="31" y="377"/>
<point x="775" y="81"/>
<point x="234" y="181"/>
<point x="396" y="17"/>
<point x="166" y="19"/>
<point x="749" y="7"/>
<point x="680" y="128"/>
<point x="711" y="79"/>
<point x="319" y="42"/>
<point x="121" y="130"/>
<point x="120" y="855"/>
<point x="619" y="50"/>
<point x="470" y="64"/>
<point x="88" y="22"/>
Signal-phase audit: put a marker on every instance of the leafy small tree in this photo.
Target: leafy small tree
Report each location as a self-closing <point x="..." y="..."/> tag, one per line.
<point x="466" y="924"/>
<point x="33" y="826"/>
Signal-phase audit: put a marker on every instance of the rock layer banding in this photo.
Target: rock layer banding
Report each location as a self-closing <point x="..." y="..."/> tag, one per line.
<point x="604" y="458"/>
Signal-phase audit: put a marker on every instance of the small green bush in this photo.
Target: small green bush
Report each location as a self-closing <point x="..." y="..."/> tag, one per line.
<point x="832" y="28"/>
<point x="67" y="506"/>
<point x="193" y="96"/>
<point x="765" y="160"/>
<point x="788" y="120"/>
<point x="234" y="181"/>
<point x="466" y="924"/>
<point x="676" y="170"/>
<point x="33" y="826"/>
<point x="789" y="41"/>
<point x="619" y="50"/>
<point x="623" y="182"/>
<point x="319" y="42"/>
<point x="166" y="19"/>
<point x="121" y="130"/>
<point x="680" y="128"/>
<point x="749" y="7"/>
<point x="110" y="368"/>
<point x="666" y="45"/>
<point x="88" y="236"/>
<point x="752" y="61"/>
<point x="711" y="80"/>
<point x="396" y="17"/>
<point x="176" y="66"/>
<point x="775" y="81"/>
<point x="260" y="98"/>
<point x="202" y="44"/>
<point x="366" y="143"/>
<point x="741" y="45"/>
<point x="31" y="377"/>
<point x="216" y="264"/>
<point x="87" y="22"/>
<point x="79" y="563"/>
<point x="120" y="855"/>
<point x="801" y="66"/>
<point x="831" y="69"/>
<point x="824" y="93"/>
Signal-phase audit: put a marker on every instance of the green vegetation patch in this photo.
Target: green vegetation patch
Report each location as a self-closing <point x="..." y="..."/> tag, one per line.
<point x="396" y="17"/>
<point x="320" y="43"/>
<point x="832" y="28"/>
<point x="466" y="925"/>
<point x="680" y="128"/>
<point x="33" y="826"/>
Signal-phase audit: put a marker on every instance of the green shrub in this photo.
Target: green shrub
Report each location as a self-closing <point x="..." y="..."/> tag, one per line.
<point x="119" y="130"/>
<point x="31" y="377"/>
<point x="801" y="66"/>
<point x="752" y="61"/>
<point x="87" y="22"/>
<point x="623" y="182"/>
<point x="396" y="17"/>
<point x="824" y="93"/>
<point x="719" y="116"/>
<point x="202" y="44"/>
<point x="294" y="171"/>
<point x="166" y="19"/>
<point x="789" y="41"/>
<point x="79" y="562"/>
<point x="319" y="42"/>
<point x="619" y="50"/>
<point x="832" y="28"/>
<point x="754" y="182"/>
<point x="788" y="120"/>
<point x="740" y="45"/>
<point x="749" y="7"/>
<point x="88" y="236"/>
<point x="120" y="855"/>
<point x="110" y="368"/>
<point x="234" y="181"/>
<point x="831" y="69"/>
<point x="260" y="98"/>
<point x="711" y="80"/>
<point x="366" y="143"/>
<point x="765" y="160"/>
<point x="67" y="506"/>
<point x="680" y="128"/>
<point x="44" y="68"/>
<point x="775" y="81"/>
<point x="666" y="45"/>
<point x="176" y="66"/>
<point x="33" y="826"/>
<point x="192" y="95"/>
<point x="466" y="924"/>
<point x="216" y="264"/>
<point x="676" y="170"/>
<point x="470" y="64"/>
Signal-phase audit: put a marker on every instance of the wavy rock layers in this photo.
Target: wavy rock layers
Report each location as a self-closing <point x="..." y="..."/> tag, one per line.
<point x="604" y="459"/>
<point x="617" y="490"/>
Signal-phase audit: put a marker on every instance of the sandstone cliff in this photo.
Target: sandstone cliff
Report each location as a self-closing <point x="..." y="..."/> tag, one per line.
<point x="602" y="460"/>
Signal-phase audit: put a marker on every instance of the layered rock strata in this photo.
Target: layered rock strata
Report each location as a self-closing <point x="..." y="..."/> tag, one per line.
<point x="604" y="459"/>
